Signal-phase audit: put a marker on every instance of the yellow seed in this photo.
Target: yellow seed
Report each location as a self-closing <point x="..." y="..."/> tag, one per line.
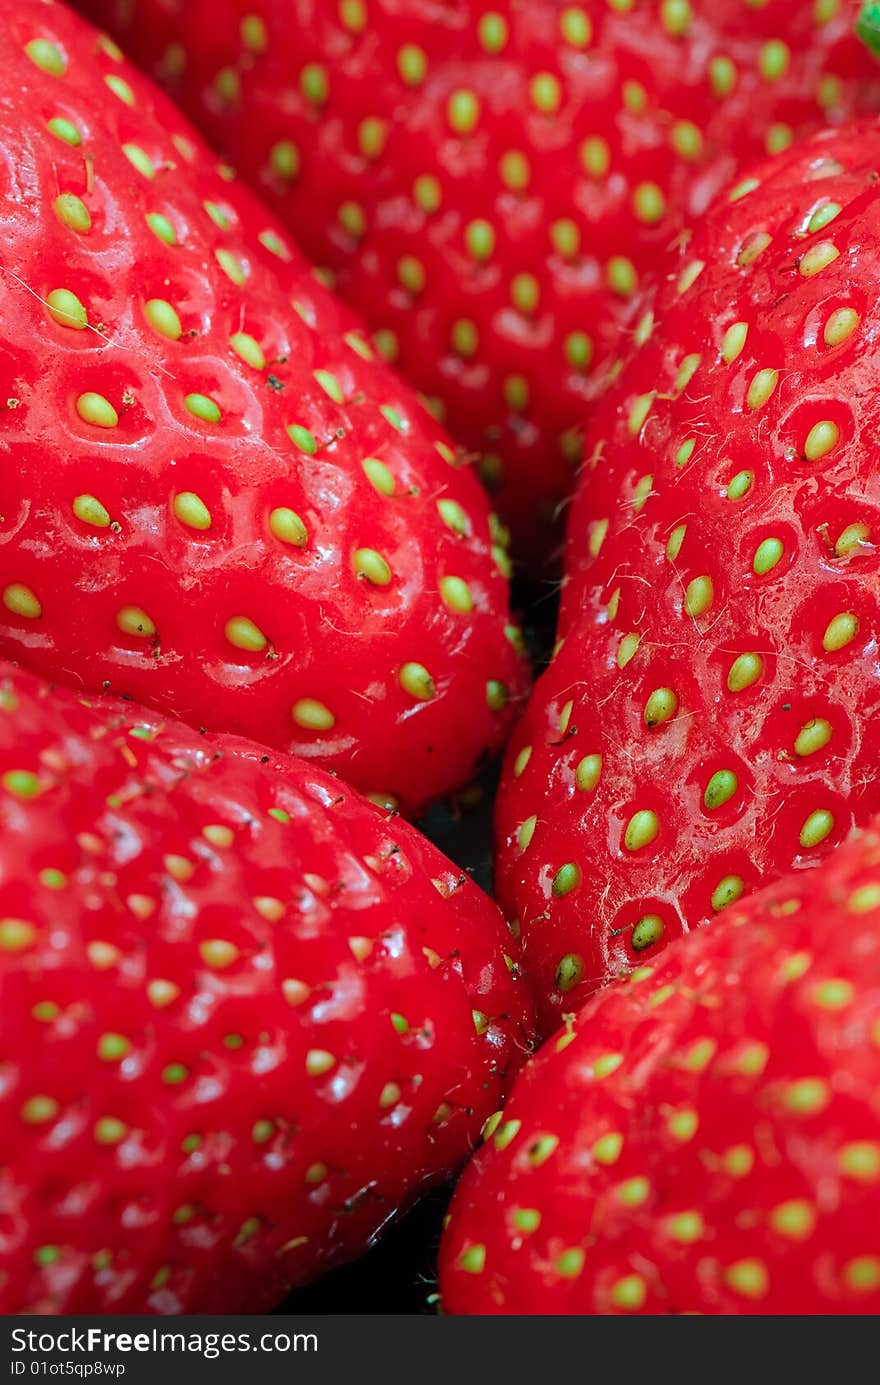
<point x="816" y="259"/>
<point x="641" y="830"/>
<point x="163" y="318"/>
<point x="218" y="953"/>
<point x="203" y="406"/>
<point x="95" y="409"/>
<point x="649" y="204"/>
<point x="456" y="595"/>
<point x="287" y="527"/>
<point x="814" y="735"/>
<point x="191" y="510"/>
<point x="218" y="835"/>
<point x="37" y="1110"/>
<point x="863" y="1273"/>
<point x="699" y="596"/>
<point x="319" y="1061"/>
<point x="817" y="827"/>
<point x="16" y="935"/>
<point x="734" y="341"/>
<point x="417" y="681"/>
<point x="840" y="631"/>
<point x="686" y="1227"/>
<point x="854" y="537"/>
<point x="381" y="479"/>
<point x="244" y="634"/>
<point x="139" y="160"/>
<point x="629" y="1293"/>
<point x="46" y="55"/>
<point x="648" y="930"/>
<point x="588" y="772"/>
<point x="767" y="555"/>
<point x="607" y="1148"/>
<point x="660" y="707"/>
<point x="676" y="539"/>
<point x="90" y="510"/>
<point x="521" y="760"/>
<point x="860" y="1160"/>
<point x="807" y="1096"/>
<point x="131" y="620"/>
<point x="66" y="309"/>
<point x="372" y="567"/>
<point x="526" y="832"/>
<point x="840" y="325"/>
<point x="821" y="439"/>
<point x="21" y="601"/>
<point x="312" y="715"/>
<point x="727" y="891"/>
<point x="748" y="1278"/>
<point x="761" y="388"/>
<point x="738" y="1161"/>
<point x="627" y="648"/>
<point x="744" y="671"/>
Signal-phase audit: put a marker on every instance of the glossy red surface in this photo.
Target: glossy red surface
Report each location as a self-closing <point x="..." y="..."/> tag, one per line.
<point x="214" y="497"/>
<point x="489" y="183"/>
<point x="702" y="1138"/>
<point x="720" y="615"/>
<point x="245" y="1015"/>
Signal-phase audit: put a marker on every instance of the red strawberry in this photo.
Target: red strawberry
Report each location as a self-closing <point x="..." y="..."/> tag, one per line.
<point x="489" y="182"/>
<point x="244" y="1015"/>
<point x="704" y="1137"/>
<point x="213" y="500"/>
<point x="712" y="718"/>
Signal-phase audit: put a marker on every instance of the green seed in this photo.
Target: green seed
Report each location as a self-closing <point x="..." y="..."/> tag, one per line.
<point x="744" y="671"/>
<point x="821" y="439"/>
<point x="727" y="891"/>
<point x="840" y="325"/>
<point x="648" y="931"/>
<point x="813" y="736"/>
<point x="740" y="484"/>
<point x="588" y="772"/>
<point x="66" y="309"/>
<point x="720" y="789"/>
<point x="767" y="555"/>
<point x="312" y="715"/>
<point x="817" y="827"/>
<point x="641" y="830"/>
<point x="96" y="410"/>
<point x="203" y="406"/>
<point x="417" y="681"/>
<point x="840" y="631"/>
<point x="660" y="707"/>
<point x="566" y="879"/>
<point x="569" y="973"/>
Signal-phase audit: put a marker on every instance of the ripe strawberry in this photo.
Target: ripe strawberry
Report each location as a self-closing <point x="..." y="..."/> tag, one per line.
<point x="704" y="1137"/>
<point x="245" y="1015"/>
<point x="711" y="719"/>
<point x="488" y="183"/>
<point x="214" y="499"/>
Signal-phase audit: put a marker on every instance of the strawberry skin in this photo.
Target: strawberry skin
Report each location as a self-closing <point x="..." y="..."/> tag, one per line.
<point x="244" y="1014"/>
<point x="711" y="718"/>
<point x="705" y="1136"/>
<point x="488" y="183"/>
<point x="215" y="498"/>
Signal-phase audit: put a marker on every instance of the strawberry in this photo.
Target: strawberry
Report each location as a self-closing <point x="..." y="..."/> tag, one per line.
<point x="214" y="499"/>
<point x="711" y="718"/>
<point x="704" y="1137"/>
<point x="488" y="183"/>
<point x="244" y="1015"/>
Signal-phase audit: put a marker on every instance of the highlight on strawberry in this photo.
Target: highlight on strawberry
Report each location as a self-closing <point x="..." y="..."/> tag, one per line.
<point x="491" y="184"/>
<point x="703" y="1137"/>
<point x="215" y="498"/>
<point x="245" y="1014"/>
